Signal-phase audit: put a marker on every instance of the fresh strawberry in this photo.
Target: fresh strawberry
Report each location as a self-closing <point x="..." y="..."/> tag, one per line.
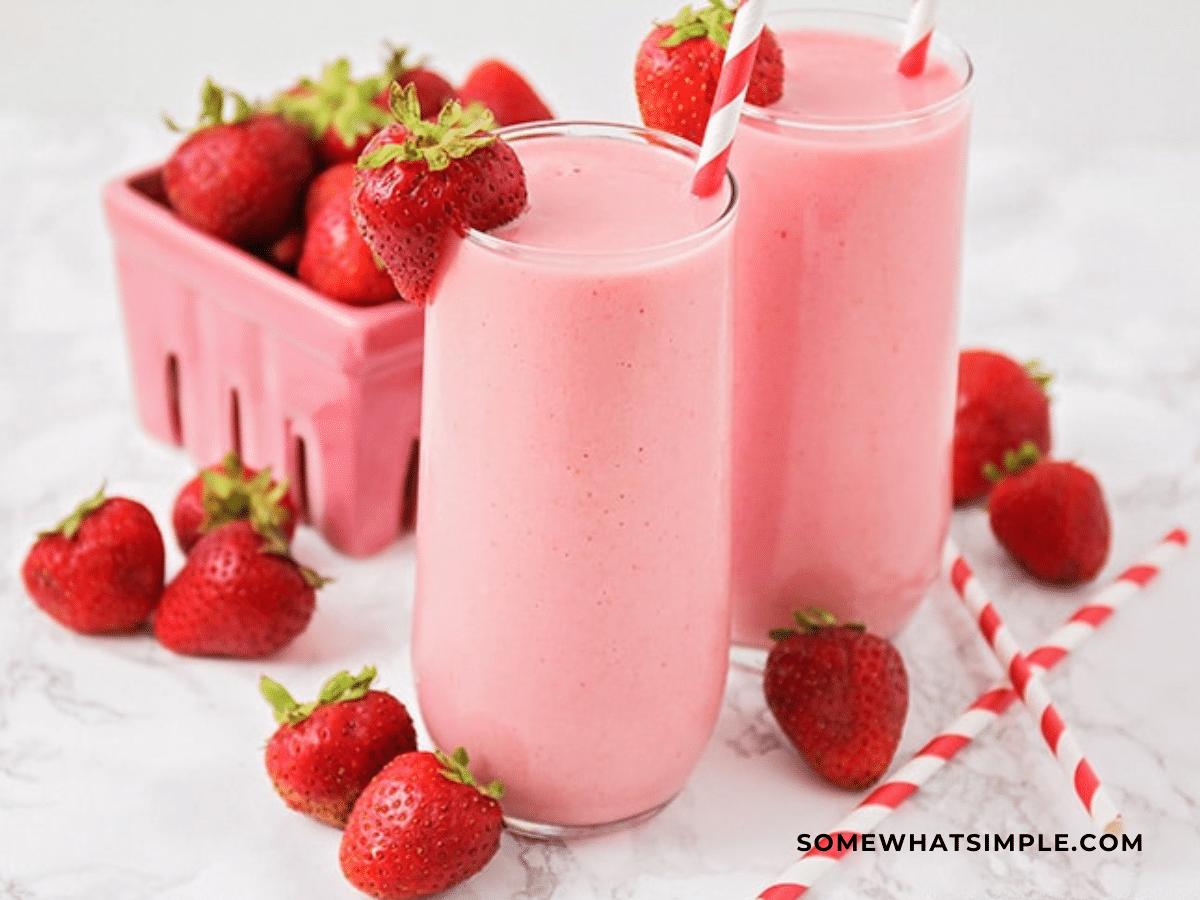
<point x="1001" y="405"/>
<point x="422" y="184"/>
<point x="504" y="91"/>
<point x="421" y="826"/>
<point x="336" y="261"/>
<point x="332" y="182"/>
<point x="679" y="62"/>
<point x="284" y="251"/>
<point x="338" y="110"/>
<point x="325" y="752"/>
<point x="1051" y="517"/>
<point x="100" y="570"/>
<point x="227" y="491"/>
<point x="240" y="180"/>
<point x="433" y="90"/>
<point x="840" y="695"/>
<point x="239" y="594"/>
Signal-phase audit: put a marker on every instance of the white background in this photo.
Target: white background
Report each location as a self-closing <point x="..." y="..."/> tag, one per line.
<point x="1069" y="73"/>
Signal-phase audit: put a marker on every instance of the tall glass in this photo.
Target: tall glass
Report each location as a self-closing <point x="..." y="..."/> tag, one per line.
<point x="571" y="621"/>
<point x="846" y="281"/>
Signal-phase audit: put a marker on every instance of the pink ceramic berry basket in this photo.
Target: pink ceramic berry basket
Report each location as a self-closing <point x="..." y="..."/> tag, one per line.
<point x="229" y="352"/>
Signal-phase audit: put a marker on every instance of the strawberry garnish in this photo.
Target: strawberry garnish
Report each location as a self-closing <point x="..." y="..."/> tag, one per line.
<point x="325" y="751"/>
<point x="423" y="184"/>
<point x="840" y="695"/>
<point x="679" y="63"/>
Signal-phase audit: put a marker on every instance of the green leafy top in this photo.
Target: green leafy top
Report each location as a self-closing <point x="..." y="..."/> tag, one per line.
<point x="213" y="100"/>
<point x="711" y="22"/>
<point x="1015" y="462"/>
<point x="457" y="133"/>
<point x="69" y="527"/>
<point x="396" y="65"/>
<point x="812" y="620"/>
<point x="336" y="100"/>
<point x="456" y="770"/>
<point x="228" y="494"/>
<point x="1040" y="374"/>
<point x="337" y="689"/>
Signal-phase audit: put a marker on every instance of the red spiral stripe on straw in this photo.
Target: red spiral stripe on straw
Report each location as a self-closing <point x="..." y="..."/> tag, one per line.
<point x="727" y="103"/>
<point x="976" y="719"/>
<point x="922" y="18"/>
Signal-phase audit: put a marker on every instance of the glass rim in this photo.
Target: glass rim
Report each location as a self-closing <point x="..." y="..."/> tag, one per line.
<point x="617" y="131"/>
<point x="940" y="46"/>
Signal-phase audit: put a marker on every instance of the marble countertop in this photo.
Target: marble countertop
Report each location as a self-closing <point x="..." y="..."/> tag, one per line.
<point x="127" y="772"/>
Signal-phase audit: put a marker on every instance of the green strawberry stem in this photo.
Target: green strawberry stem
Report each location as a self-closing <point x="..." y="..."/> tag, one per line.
<point x="456" y="133"/>
<point x="336" y="100"/>
<point x="227" y="495"/>
<point x="338" y="688"/>
<point x="69" y="527"/>
<point x="396" y="65"/>
<point x="213" y="100"/>
<point x="1040" y="374"/>
<point x="1015" y="462"/>
<point x="711" y="22"/>
<point x="456" y="770"/>
<point x="812" y="620"/>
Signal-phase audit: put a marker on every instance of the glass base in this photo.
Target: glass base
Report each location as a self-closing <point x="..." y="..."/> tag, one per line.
<point x="545" y="831"/>
<point x="748" y="658"/>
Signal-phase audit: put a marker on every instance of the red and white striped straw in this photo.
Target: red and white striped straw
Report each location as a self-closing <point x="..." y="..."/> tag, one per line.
<point x="731" y="92"/>
<point x="972" y="722"/>
<point x="922" y="19"/>
<point x="1032" y="691"/>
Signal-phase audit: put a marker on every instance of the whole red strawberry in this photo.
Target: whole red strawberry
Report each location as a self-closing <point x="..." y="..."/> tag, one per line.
<point x="504" y="91"/>
<point x="100" y="570"/>
<point x="433" y="90"/>
<point x="1001" y="405"/>
<point x="227" y="491"/>
<point x="239" y="180"/>
<point x="423" y="184"/>
<point x="239" y="594"/>
<point x="1051" y="517"/>
<point x="679" y="62"/>
<point x="840" y="695"/>
<point x="335" y="181"/>
<point x="325" y="752"/>
<point x="421" y="826"/>
<point x="338" y="110"/>
<point x="335" y="260"/>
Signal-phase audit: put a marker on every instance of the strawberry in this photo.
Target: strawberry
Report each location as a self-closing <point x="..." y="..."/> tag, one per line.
<point x="1001" y="405"/>
<point x="325" y="752"/>
<point x="505" y="91"/>
<point x="239" y="594"/>
<point x="1051" y="516"/>
<point x="100" y="570"/>
<point x="229" y="491"/>
<point x="679" y="62"/>
<point x="239" y="180"/>
<point x="336" y="261"/>
<point x="332" y="182"/>
<point x="421" y="826"/>
<point x="433" y="90"/>
<point x="840" y="695"/>
<point x="338" y="111"/>
<point x="422" y="184"/>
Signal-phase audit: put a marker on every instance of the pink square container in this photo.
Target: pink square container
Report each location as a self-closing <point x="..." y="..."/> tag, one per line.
<point x="228" y="352"/>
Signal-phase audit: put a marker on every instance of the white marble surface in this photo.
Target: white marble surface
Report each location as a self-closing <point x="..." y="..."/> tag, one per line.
<point x="127" y="772"/>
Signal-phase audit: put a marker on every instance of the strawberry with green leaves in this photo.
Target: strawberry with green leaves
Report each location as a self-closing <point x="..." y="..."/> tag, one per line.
<point x="240" y="594"/>
<point x="228" y="491"/>
<point x="338" y="110"/>
<point x="101" y="569"/>
<point x="840" y="695"/>
<point x="679" y="63"/>
<point x="422" y="826"/>
<point x="422" y="185"/>
<point x="326" y="751"/>
<point x="239" y="177"/>
<point x="433" y="90"/>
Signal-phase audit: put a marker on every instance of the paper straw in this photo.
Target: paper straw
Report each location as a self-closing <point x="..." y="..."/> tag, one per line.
<point x="973" y="721"/>
<point x="1032" y="691"/>
<point x="922" y="18"/>
<point x="731" y="92"/>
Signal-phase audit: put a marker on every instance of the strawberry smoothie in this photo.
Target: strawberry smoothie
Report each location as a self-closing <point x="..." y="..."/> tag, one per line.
<point x="571" y="621"/>
<point x="846" y="286"/>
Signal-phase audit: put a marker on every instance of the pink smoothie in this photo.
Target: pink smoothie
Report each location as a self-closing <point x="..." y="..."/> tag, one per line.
<point x="847" y="278"/>
<point x="571" y="623"/>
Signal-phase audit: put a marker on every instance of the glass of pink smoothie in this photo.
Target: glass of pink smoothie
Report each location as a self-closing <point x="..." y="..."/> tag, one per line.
<point x="847" y="267"/>
<point x="571" y="620"/>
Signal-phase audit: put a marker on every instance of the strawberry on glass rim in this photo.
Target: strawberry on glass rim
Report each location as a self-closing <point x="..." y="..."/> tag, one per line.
<point x="422" y="184"/>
